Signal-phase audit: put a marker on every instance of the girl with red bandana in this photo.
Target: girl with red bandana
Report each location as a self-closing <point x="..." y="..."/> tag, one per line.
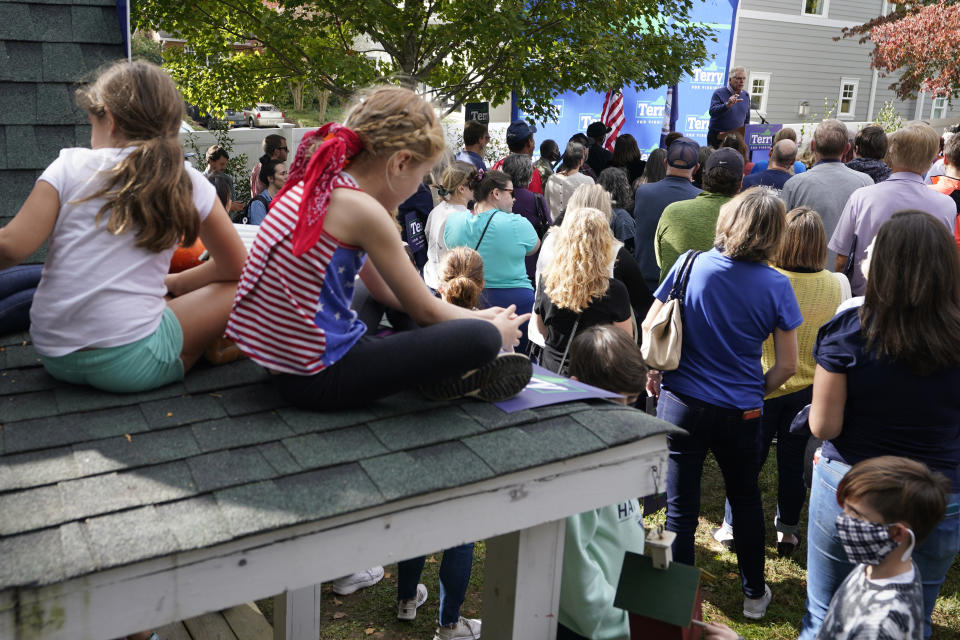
<point x="292" y="313"/>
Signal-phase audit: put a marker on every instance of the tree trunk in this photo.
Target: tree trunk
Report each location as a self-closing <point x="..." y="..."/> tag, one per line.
<point x="323" y="99"/>
<point x="296" y="92"/>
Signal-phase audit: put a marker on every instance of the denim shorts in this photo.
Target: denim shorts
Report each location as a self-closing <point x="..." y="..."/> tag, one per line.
<point x="148" y="363"/>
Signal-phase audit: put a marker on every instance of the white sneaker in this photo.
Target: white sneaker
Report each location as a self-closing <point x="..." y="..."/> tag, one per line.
<point x="465" y="629"/>
<point x="756" y="608"/>
<point x="724" y="535"/>
<point x="407" y="609"/>
<point x="348" y="584"/>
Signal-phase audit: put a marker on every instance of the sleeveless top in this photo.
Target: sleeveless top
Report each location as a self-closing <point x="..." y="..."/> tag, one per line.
<point x="292" y="314"/>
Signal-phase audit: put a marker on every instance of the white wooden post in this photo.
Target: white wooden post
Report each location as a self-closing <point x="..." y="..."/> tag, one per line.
<point x="296" y="614"/>
<point x="521" y="583"/>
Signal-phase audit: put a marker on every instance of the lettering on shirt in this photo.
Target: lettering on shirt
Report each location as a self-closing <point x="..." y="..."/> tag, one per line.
<point x="626" y="511"/>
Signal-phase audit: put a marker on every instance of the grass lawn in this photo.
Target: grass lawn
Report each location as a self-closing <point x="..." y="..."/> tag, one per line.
<point x="371" y="613"/>
<point x="311" y="118"/>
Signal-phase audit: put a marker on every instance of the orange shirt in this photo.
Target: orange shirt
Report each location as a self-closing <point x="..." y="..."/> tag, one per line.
<point x="947" y="186"/>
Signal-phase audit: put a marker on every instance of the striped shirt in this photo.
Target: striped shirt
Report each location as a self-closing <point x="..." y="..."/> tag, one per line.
<point x="292" y="313"/>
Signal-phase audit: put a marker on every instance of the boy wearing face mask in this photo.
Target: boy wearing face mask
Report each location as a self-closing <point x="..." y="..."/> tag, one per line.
<point x="890" y="504"/>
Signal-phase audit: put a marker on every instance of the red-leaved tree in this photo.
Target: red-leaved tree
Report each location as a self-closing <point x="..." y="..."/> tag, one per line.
<point x="918" y="40"/>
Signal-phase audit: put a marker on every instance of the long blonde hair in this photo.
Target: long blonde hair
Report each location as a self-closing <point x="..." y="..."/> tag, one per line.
<point x="579" y="272"/>
<point x="148" y="192"/>
<point x="591" y="196"/>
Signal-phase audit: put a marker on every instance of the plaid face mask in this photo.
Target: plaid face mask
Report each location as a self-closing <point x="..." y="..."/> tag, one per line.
<point x="865" y="542"/>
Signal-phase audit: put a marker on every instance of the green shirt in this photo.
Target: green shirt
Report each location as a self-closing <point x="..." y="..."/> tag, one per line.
<point x="685" y="225"/>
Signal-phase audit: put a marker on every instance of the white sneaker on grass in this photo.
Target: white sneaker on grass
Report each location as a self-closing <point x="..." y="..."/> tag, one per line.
<point x="348" y="584"/>
<point x="464" y="629"/>
<point x="756" y="608"/>
<point x="407" y="609"/>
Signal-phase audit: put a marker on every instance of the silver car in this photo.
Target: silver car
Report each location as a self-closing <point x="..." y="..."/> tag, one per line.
<point x="262" y="114"/>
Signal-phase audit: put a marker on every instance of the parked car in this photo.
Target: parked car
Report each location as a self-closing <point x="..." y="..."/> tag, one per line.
<point x="262" y="115"/>
<point x="230" y="119"/>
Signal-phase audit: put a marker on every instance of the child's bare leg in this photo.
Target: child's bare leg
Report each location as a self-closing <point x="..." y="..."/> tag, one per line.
<point x="203" y="316"/>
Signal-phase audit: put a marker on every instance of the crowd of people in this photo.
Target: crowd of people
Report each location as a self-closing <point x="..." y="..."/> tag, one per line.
<point x="821" y="309"/>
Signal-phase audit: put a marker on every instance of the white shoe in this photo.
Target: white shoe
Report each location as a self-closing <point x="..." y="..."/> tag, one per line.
<point x="465" y="629"/>
<point x="756" y="608"/>
<point x="362" y="579"/>
<point x="407" y="609"/>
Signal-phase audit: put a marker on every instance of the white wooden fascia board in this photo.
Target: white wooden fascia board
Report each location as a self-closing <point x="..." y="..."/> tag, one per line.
<point x="155" y="592"/>
<point x="815" y="21"/>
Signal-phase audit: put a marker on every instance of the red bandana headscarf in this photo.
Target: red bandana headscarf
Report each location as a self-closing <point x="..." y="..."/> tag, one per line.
<point x="325" y="166"/>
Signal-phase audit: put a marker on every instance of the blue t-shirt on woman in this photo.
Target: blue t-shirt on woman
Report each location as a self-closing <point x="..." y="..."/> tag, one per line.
<point x="730" y="308"/>
<point x="507" y="241"/>
<point x="890" y="410"/>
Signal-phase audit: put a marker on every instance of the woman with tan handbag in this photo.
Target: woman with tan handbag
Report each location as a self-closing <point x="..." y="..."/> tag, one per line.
<point x="730" y="300"/>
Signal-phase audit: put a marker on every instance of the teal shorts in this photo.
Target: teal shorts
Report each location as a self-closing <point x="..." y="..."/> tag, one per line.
<point x="148" y="363"/>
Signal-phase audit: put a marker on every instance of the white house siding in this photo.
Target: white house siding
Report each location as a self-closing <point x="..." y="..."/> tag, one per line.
<point x="804" y="62"/>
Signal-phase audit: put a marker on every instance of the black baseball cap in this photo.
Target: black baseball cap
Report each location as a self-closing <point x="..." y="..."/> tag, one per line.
<point x="597" y="129"/>
<point x="683" y="153"/>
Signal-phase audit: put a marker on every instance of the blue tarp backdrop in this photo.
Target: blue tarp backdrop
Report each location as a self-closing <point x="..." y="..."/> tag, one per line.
<point x="644" y="110"/>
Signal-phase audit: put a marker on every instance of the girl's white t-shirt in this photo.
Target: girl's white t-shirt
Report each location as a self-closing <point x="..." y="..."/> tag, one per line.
<point x="436" y="247"/>
<point x="98" y="289"/>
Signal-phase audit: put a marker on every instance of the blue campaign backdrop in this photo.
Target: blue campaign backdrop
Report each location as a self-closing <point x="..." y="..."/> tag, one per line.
<point x="644" y="110"/>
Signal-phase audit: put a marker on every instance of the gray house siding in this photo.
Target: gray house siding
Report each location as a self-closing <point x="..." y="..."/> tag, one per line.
<point x="791" y="7"/>
<point x="805" y="64"/>
<point x="848" y="10"/>
<point x="858" y="11"/>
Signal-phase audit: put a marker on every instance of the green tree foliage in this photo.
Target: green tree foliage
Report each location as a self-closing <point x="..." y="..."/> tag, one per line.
<point x="461" y="49"/>
<point x="145" y="48"/>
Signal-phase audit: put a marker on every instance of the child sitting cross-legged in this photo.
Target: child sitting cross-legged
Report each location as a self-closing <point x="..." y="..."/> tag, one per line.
<point x="890" y="504"/>
<point x="609" y="358"/>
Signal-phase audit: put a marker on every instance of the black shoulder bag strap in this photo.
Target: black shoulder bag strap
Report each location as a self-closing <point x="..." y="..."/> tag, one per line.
<point x="679" y="290"/>
<point x="487" y="226"/>
<point x="573" y="333"/>
<point x="848" y="269"/>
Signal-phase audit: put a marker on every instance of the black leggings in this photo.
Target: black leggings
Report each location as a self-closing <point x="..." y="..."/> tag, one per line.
<point x="380" y="366"/>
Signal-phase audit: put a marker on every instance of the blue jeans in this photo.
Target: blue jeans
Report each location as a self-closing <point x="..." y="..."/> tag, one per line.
<point x="827" y="564"/>
<point x="735" y="443"/>
<point x="17" y="286"/>
<point x="778" y="413"/>
<point x="454" y="578"/>
<point x="520" y="296"/>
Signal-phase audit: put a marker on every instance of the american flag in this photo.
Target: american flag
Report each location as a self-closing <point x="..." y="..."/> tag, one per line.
<point x="612" y="116"/>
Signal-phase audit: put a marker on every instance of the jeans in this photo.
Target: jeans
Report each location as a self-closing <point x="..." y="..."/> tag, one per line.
<point x="376" y="366"/>
<point x="778" y="413"/>
<point x="735" y="444"/>
<point x="827" y="563"/>
<point x="454" y="578"/>
<point x="17" y="286"/>
<point x="520" y="296"/>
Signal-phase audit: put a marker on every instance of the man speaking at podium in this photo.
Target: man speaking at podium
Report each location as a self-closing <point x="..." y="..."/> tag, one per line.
<point x="729" y="108"/>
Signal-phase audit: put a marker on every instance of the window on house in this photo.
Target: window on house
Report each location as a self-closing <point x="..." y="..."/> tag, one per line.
<point x="939" y="108"/>
<point x="847" y="106"/>
<point x="815" y="7"/>
<point x="759" y="88"/>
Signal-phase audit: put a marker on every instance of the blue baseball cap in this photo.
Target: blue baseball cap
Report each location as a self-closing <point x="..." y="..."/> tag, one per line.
<point x="519" y="131"/>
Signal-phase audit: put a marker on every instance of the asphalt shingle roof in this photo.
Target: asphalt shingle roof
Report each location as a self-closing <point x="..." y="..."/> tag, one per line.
<point x="47" y="48"/>
<point x="92" y="480"/>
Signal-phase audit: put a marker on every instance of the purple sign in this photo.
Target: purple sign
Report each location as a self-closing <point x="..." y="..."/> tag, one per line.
<point x="546" y="388"/>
